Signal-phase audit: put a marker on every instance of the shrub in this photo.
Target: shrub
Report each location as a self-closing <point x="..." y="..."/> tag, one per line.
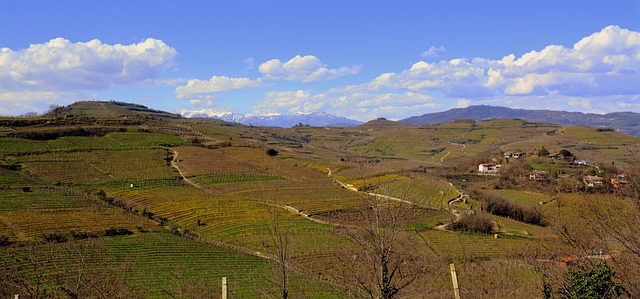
<point x="117" y="231"/>
<point x="501" y="206"/>
<point x="272" y="152"/>
<point x="54" y="237"/>
<point x="80" y="235"/>
<point x="4" y="240"/>
<point x="479" y="223"/>
<point x="597" y="282"/>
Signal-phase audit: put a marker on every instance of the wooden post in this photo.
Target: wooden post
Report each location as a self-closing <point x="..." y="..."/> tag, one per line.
<point x="454" y="278"/>
<point x="224" y="288"/>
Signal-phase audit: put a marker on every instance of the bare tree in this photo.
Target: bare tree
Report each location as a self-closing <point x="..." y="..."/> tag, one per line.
<point x="55" y="110"/>
<point x="278" y="245"/>
<point x="383" y="263"/>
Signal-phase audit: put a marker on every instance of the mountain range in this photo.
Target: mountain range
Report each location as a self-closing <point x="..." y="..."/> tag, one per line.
<point x="316" y="119"/>
<point x="625" y="122"/>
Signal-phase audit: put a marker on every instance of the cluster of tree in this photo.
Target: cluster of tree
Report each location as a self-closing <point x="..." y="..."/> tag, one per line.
<point x="596" y="282"/>
<point x="54" y="134"/>
<point x="498" y="205"/>
<point x="479" y="223"/>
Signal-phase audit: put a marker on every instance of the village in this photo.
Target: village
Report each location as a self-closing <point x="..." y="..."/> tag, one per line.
<point x="566" y="167"/>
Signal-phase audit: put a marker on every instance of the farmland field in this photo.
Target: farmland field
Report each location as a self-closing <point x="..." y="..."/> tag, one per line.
<point x="172" y="202"/>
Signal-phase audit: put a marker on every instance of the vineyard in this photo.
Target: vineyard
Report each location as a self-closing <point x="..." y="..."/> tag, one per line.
<point x="173" y="205"/>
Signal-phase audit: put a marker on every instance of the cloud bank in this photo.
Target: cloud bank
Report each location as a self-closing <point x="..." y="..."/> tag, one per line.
<point x="60" y="68"/>
<point x="600" y="73"/>
<point x="299" y="68"/>
<point x="303" y="68"/>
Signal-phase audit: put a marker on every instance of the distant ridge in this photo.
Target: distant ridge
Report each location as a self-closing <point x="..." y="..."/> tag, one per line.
<point x="112" y="109"/>
<point x="316" y="119"/>
<point x="625" y="122"/>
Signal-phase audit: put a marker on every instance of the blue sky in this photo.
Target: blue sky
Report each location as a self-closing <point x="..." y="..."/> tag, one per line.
<point x="359" y="59"/>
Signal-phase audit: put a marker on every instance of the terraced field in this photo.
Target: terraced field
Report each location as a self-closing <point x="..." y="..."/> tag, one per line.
<point x="424" y="190"/>
<point x="111" y="141"/>
<point x="98" y="167"/>
<point x="523" y="197"/>
<point x="462" y="245"/>
<point x="220" y="193"/>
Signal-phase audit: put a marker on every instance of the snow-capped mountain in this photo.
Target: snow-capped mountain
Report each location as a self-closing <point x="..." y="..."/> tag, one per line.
<point x="316" y="119"/>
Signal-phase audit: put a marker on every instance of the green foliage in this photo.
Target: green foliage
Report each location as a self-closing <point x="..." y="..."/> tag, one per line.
<point x="117" y="231"/>
<point x="479" y="223"/>
<point x="597" y="282"/>
<point x="543" y="152"/>
<point x="272" y="152"/>
<point x="565" y="153"/>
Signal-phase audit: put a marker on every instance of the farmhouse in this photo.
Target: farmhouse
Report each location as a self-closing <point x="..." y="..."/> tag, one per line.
<point x="539" y="175"/>
<point x="592" y="180"/>
<point x="515" y="155"/>
<point x="580" y="162"/>
<point x="488" y="168"/>
<point x="619" y="180"/>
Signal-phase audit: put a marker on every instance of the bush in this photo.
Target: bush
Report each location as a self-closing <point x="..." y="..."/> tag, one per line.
<point x="117" y="231"/>
<point x="597" y="282"/>
<point x="4" y="240"/>
<point x="479" y="223"/>
<point x="53" y="237"/>
<point x="272" y="152"/>
<point x="80" y="235"/>
<point x="501" y="206"/>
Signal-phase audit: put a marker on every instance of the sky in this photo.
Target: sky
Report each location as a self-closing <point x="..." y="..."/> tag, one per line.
<point x="357" y="59"/>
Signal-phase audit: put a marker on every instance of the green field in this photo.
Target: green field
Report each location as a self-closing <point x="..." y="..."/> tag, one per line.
<point x="194" y="200"/>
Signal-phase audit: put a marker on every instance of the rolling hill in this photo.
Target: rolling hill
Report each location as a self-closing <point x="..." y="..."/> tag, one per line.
<point x="625" y="122"/>
<point x="142" y="203"/>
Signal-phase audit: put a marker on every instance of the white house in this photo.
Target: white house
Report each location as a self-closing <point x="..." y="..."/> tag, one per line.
<point x="580" y="162"/>
<point x="488" y="168"/>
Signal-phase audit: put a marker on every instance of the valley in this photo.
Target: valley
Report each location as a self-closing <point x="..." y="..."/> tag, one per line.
<point x="117" y="200"/>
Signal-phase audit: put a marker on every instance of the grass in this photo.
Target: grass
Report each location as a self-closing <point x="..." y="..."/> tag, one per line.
<point x="218" y="178"/>
<point x="523" y="197"/>
<point x="98" y="167"/>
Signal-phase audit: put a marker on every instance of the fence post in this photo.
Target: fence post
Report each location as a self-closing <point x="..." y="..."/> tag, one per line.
<point x="454" y="278"/>
<point x="224" y="288"/>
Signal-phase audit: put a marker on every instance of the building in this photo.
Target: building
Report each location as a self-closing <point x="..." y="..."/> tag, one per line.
<point x="619" y="180"/>
<point x="515" y="155"/>
<point x="488" y="168"/>
<point x="539" y="175"/>
<point x="592" y="180"/>
<point x="580" y="162"/>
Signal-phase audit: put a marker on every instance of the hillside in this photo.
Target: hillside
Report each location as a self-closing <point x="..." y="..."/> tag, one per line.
<point x="625" y="122"/>
<point x="104" y="109"/>
<point x="161" y="207"/>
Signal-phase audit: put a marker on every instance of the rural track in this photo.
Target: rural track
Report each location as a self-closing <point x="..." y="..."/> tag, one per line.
<point x="284" y="207"/>
<point x="455" y="213"/>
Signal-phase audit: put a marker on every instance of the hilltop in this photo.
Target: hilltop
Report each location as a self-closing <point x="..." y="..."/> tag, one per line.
<point x="625" y="122"/>
<point x="106" y="109"/>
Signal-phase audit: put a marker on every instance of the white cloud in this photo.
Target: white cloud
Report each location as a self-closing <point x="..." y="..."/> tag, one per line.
<point x="433" y="51"/>
<point x="215" y="84"/>
<point x="462" y="103"/>
<point x="20" y="102"/>
<point x="59" y="71"/>
<point x="303" y="68"/>
<point x="249" y="63"/>
<point x="61" y="65"/>
<point x="606" y="63"/>
<point x="360" y="106"/>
